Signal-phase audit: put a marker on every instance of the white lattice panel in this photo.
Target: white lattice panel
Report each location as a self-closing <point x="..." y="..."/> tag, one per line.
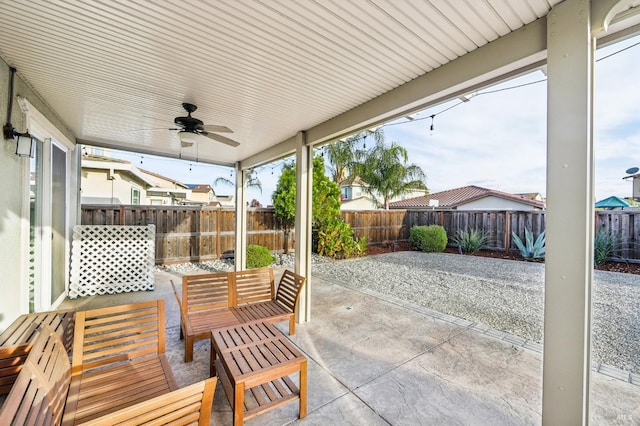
<point x="111" y="259"/>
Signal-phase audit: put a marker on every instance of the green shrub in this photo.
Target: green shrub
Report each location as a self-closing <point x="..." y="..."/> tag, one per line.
<point x="432" y="238"/>
<point x="470" y="240"/>
<point x="604" y="246"/>
<point x="531" y="250"/>
<point x="259" y="257"/>
<point x="335" y="239"/>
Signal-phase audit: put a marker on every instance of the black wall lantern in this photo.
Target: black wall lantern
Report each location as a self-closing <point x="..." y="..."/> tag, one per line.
<point x="26" y="143"/>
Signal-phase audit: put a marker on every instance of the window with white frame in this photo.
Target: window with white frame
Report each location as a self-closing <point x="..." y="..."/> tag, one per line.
<point x="135" y="196"/>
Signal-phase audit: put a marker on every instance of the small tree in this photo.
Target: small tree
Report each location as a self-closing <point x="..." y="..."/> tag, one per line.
<point x="326" y="197"/>
<point x="284" y="201"/>
<point x="326" y="194"/>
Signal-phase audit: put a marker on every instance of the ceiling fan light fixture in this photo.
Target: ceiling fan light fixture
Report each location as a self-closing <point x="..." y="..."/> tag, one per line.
<point x="188" y="138"/>
<point x="193" y="130"/>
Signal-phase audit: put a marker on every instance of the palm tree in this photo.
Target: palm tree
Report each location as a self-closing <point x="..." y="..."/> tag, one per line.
<point x="342" y="153"/>
<point x="251" y="180"/>
<point x="385" y="170"/>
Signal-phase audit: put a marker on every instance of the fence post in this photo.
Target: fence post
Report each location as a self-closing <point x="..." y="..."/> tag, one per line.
<point x="218" y="252"/>
<point x="122" y="215"/>
<point x="507" y="232"/>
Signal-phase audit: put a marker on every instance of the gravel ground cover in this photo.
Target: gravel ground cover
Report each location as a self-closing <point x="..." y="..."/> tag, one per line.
<point x="506" y="295"/>
<point x="282" y="261"/>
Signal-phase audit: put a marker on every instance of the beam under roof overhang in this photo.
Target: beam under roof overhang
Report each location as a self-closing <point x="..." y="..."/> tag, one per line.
<point x="623" y="34"/>
<point x="276" y="152"/>
<point x="516" y="53"/>
<point x="149" y="151"/>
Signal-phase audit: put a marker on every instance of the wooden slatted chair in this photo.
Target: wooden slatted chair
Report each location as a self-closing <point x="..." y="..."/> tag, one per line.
<point x="38" y="394"/>
<point x="205" y="304"/>
<point x="41" y="389"/>
<point x="118" y="360"/>
<point x="281" y="308"/>
<point x="186" y="406"/>
<point x="16" y="341"/>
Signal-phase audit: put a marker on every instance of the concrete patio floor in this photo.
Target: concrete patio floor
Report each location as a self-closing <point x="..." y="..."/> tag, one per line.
<point x="374" y="360"/>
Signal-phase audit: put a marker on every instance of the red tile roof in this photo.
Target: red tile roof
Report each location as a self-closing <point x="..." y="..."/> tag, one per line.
<point x="452" y="198"/>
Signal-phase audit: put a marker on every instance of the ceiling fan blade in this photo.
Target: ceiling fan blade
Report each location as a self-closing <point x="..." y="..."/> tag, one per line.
<point x="223" y="139"/>
<point x="148" y="130"/>
<point x="216" y="128"/>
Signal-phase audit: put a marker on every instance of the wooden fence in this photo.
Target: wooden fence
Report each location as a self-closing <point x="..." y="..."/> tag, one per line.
<point x="187" y="233"/>
<point x="497" y="225"/>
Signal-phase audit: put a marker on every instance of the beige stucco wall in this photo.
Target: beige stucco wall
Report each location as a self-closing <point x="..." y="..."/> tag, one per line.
<point x="14" y="222"/>
<point x="356" y="192"/>
<point x="362" y="203"/>
<point x="495" y="203"/>
<point x="96" y="188"/>
<point x="203" y="197"/>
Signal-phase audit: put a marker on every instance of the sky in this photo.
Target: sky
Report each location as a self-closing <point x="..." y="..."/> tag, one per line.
<point x="496" y="140"/>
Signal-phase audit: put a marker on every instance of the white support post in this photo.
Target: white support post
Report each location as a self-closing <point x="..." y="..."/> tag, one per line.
<point x="241" y="221"/>
<point x="570" y="210"/>
<point x="304" y="182"/>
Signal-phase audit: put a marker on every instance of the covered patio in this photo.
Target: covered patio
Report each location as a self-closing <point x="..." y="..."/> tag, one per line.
<point x="285" y="77"/>
<point x="439" y="370"/>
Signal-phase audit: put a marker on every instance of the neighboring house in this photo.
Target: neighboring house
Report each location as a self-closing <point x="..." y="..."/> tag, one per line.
<point x="612" y="203"/>
<point x="532" y="196"/>
<point x="354" y="196"/>
<point x="361" y="203"/>
<point x="111" y="181"/>
<point x="225" y="200"/>
<point x="635" y="190"/>
<point x="165" y="190"/>
<point x="201" y="193"/>
<point x="470" y="198"/>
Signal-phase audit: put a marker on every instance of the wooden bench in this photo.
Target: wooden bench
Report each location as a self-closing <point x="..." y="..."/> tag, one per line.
<point x="40" y="392"/>
<point x="16" y="341"/>
<point x="118" y="360"/>
<point x="229" y="298"/>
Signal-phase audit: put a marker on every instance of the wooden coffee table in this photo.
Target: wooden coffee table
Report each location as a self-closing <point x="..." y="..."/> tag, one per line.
<point x="253" y="362"/>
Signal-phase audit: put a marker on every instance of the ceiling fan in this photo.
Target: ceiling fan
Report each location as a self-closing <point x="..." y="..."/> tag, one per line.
<point x="191" y="130"/>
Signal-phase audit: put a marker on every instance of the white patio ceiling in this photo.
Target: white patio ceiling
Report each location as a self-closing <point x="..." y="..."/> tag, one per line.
<point x="266" y="69"/>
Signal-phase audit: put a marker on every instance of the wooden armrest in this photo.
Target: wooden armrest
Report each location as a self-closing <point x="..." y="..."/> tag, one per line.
<point x="187" y="405"/>
<point x="183" y="315"/>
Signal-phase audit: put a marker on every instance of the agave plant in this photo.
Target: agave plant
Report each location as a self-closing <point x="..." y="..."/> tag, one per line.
<point x="604" y="246"/>
<point x="529" y="249"/>
<point x="470" y="240"/>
